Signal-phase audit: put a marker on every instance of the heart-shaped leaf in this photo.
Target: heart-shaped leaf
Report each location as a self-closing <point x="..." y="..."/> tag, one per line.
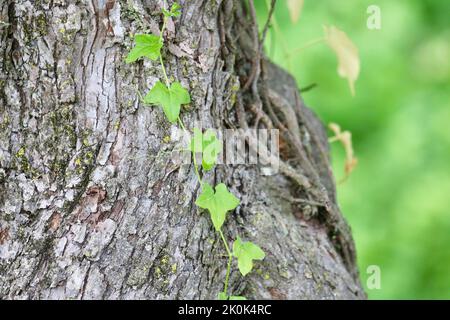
<point x="246" y="252"/>
<point x="146" y="45"/>
<point x="218" y="203"/>
<point x="208" y="144"/>
<point x="170" y="98"/>
<point x="175" y="11"/>
<point x="211" y="149"/>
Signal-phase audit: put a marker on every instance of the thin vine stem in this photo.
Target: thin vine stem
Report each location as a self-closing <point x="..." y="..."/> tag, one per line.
<point x="182" y="124"/>
<point x="227" y="248"/>
<point x="277" y="30"/>
<point x="307" y="45"/>
<point x="196" y="170"/>
<point x="230" y="259"/>
<point x="164" y="71"/>
<point x="234" y="202"/>
<point x="160" y="56"/>
<point x="163" y="28"/>
<point x="197" y="173"/>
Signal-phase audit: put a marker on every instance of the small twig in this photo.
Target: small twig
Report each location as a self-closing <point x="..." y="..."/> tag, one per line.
<point x="222" y="34"/>
<point x="299" y="200"/>
<point x="280" y="35"/>
<point x="308" y="87"/>
<point x="310" y="172"/>
<point x="266" y="26"/>
<point x="307" y="45"/>
<point x="254" y="73"/>
<point x="285" y="168"/>
<point x="261" y="115"/>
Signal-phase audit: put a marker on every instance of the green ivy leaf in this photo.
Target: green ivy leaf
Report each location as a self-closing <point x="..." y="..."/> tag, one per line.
<point x="175" y="11"/>
<point x="246" y="252"/>
<point x="170" y="98"/>
<point x="208" y="144"/>
<point x="211" y="149"/>
<point x="146" y="45"/>
<point x="218" y="203"/>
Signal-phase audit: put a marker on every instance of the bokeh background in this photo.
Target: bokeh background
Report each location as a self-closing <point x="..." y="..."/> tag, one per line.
<point x="397" y="200"/>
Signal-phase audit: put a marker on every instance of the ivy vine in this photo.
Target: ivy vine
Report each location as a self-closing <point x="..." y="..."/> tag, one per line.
<point x="218" y="201"/>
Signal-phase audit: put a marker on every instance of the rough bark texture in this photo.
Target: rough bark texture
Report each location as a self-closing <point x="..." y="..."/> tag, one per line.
<point x="91" y="206"/>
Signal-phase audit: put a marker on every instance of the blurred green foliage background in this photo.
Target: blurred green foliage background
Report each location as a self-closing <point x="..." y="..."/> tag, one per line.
<point x="397" y="200"/>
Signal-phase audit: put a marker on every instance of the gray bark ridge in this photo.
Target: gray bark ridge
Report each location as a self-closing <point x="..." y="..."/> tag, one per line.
<point x="91" y="206"/>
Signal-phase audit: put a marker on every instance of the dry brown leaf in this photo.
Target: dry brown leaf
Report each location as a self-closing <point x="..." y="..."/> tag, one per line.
<point x="295" y="8"/>
<point x="345" y="137"/>
<point x="347" y="54"/>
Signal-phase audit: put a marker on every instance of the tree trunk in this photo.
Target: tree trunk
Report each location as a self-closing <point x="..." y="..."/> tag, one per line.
<point x="92" y="206"/>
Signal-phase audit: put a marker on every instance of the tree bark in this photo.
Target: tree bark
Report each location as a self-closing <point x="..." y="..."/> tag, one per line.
<point x="91" y="205"/>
